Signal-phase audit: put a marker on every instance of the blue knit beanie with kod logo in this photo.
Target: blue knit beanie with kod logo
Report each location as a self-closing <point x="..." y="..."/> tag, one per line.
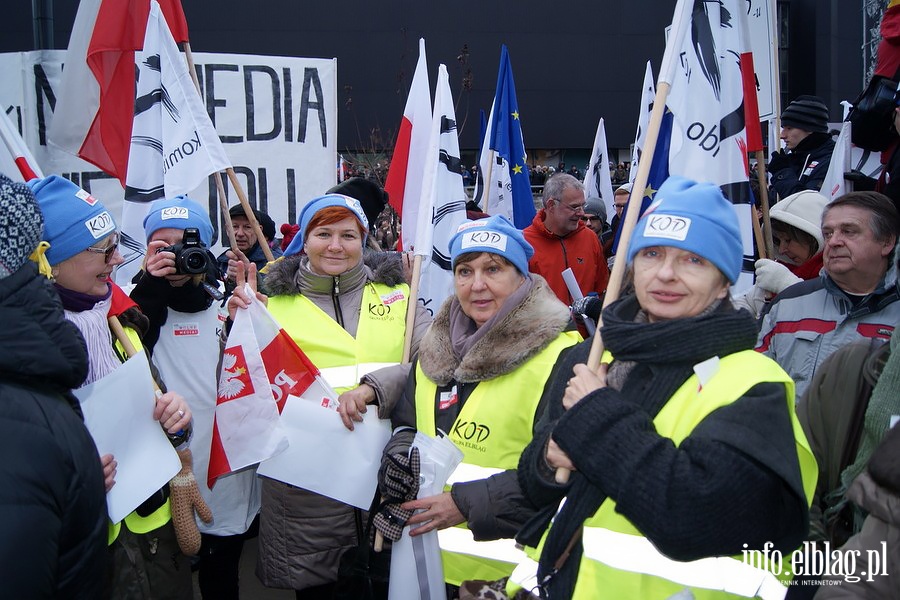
<point x="495" y="235"/>
<point x="179" y="212"/>
<point x="317" y="204"/>
<point x="73" y="219"/>
<point x="695" y="217"/>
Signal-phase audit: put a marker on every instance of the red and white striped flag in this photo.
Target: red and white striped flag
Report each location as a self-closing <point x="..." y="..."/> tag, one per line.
<point x="93" y="116"/>
<point x="404" y="178"/>
<point x="17" y="152"/>
<point x="261" y="367"/>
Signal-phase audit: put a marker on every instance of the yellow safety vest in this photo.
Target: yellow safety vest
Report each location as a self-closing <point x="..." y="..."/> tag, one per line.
<point x="619" y="562"/>
<point x="341" y="357"/>
<point x="491" y="430"/>
<point x="163" y="514"/>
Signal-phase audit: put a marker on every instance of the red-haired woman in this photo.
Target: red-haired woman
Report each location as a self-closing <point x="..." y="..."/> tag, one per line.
<point x="342" y="313"/>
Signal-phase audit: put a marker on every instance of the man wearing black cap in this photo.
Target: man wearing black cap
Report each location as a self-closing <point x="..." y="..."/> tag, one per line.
<point x="808" y="147"/>
<point x="246" y="238"/>
<point x="370" y="195"/>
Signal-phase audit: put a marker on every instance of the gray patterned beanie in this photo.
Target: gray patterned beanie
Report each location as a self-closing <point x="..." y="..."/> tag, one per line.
<point x="21" y="223"/>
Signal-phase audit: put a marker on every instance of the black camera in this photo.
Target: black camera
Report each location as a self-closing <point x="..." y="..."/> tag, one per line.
<point x="191" y="257"/>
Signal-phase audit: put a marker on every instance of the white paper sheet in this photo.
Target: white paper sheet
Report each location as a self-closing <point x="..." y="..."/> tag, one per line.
<point x="118" y="411"/>
<point x="327" y="458"/>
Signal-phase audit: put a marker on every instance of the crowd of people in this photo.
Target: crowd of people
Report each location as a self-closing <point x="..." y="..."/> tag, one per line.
<point x="717" y="426"/>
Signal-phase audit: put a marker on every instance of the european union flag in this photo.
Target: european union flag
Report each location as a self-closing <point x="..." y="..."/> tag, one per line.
<point x="506" y="141"/>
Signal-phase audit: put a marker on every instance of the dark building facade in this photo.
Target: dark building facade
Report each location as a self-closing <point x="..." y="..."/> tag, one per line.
<point x="573" y="61"/>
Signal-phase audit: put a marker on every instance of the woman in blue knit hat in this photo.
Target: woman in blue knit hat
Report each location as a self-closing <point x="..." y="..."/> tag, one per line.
<point x="684" y="444"/>
<point x="349" y="317"/>
<point x="479" y="378"/>
<point x="83" y="252"/>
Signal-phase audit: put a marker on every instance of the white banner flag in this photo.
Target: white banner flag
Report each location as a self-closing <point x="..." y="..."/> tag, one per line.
<point x="597" y="183"/>
<point x="445" y="211"/>
<point x="174" y="146"/>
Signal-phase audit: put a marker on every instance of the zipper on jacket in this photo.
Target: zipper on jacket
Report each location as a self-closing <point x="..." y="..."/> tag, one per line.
<point x="335" y="299"/>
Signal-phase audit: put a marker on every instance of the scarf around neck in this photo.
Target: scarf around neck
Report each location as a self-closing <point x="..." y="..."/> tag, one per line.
<point x="94" y="329"/>
<point x="659" y="357"/>
<point x="77" y="302"/>
<point x="464" y="333"/>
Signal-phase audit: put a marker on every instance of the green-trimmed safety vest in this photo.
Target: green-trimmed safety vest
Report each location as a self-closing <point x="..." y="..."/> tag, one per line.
<point x="619" y="562"/>
<point x="163" y="514"/>
<point x="342" y="358"/>
<point x="491" y="430"/>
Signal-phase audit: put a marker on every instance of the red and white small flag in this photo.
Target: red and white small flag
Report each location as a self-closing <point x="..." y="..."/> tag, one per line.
<point x="93" y="117"/>
<point x="261" y="367"/>
<point x="405" y="175"/>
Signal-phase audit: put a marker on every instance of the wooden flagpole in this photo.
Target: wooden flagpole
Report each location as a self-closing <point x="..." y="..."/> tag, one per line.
<point x="680" y="22"/>
<point x="767" y="247"/>
<point x="232" y="177"/>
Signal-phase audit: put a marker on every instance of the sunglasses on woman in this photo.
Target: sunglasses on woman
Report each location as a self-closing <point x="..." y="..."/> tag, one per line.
<point x="108" y="251"/>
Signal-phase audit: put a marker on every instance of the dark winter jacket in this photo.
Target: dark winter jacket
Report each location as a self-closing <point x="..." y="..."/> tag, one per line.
<point x="876" y="491"/>
<point x="303" y="534"/>
<point x="52" y="499"/>
<point x="807" y="166"/>
<point x="734" y="480"/>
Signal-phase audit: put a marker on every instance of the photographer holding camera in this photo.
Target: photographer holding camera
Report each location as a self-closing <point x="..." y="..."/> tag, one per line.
<point x="179" y="291"/>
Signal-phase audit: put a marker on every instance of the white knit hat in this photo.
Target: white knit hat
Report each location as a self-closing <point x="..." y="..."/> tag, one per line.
<point x="804" y="211"/>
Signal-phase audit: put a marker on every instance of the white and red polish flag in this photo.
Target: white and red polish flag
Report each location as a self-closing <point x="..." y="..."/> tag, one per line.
<point x="18" y="158"/>
<point x="261" y="367"/>
<point x="95" y="110"/>
<point x="408" y="163"/>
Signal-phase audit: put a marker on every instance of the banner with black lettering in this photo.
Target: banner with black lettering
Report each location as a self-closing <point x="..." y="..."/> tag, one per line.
<point x="276" y="117"/>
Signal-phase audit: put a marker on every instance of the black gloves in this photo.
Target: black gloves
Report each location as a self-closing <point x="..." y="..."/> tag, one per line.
<point x="398" y="482"/>
<point x="780" y="160"/>
<point x="589" y="306"/>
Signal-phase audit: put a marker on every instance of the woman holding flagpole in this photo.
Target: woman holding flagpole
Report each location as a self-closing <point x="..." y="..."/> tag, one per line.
<point x="684" y="444"/>
<point x="83" y="251"/>
<point x="349" y="318"/>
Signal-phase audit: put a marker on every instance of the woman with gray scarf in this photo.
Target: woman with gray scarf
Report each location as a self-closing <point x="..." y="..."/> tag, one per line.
<point x="479" y="378"/>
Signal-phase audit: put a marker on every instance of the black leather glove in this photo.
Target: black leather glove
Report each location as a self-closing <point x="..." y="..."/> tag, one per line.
<point x="780" y="160"/>
<point x="398" y="482"/>
<point x="589" y="306"/>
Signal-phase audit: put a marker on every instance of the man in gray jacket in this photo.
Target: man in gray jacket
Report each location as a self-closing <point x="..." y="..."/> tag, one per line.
<point x="854" y="297"/>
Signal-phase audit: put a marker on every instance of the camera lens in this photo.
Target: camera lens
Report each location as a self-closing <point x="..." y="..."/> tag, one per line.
<point x="194" y="261"/>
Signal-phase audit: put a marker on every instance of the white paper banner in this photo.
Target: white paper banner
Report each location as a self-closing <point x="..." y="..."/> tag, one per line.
<point x="327" y="458"/>
<point x="276" y="116"/>
<point x="118" y="411"/>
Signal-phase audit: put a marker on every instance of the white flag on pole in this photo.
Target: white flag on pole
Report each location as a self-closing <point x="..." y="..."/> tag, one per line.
<point x="648" y="93"/>
<point x="835" y="185"/>
<point x="597" y="182"/>
<point x="174" y="146"/>
<point x="443" y="208"/>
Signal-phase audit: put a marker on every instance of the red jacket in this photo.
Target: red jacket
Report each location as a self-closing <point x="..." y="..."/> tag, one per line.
<point x="553" y="254"/>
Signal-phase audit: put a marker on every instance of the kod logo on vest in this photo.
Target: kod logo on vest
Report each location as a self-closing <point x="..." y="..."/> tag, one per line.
<point x="379" y="311"/>
<point x="471" y="431"/>
<point x="667" y="226"/>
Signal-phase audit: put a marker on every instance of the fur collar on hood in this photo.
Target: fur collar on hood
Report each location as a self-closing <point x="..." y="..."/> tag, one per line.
<point x="526" y="330"/>
<point x="281" y="277"/>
